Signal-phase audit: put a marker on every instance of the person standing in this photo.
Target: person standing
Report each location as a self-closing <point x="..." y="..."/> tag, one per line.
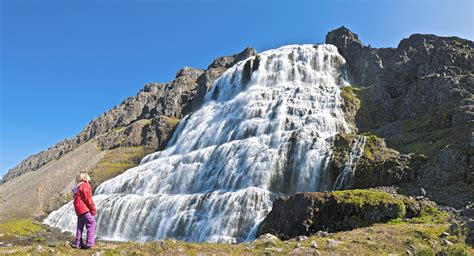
<point x="85" y="211"/>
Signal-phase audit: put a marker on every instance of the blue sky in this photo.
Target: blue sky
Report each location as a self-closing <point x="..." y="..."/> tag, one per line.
<point x="65" y="62"/>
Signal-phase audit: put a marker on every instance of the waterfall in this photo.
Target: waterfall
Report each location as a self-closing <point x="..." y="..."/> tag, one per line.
<point x="345" y="179"/>
<point x="266" y="129"/>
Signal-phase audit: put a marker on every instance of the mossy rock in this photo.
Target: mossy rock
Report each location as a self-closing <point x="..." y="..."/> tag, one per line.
<point x="307" y="213"/>
<point x="351" y="103"/>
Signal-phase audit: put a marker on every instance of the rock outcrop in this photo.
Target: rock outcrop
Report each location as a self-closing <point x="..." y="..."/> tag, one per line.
<point x="308" y="213"/>
<point x="377" y="166"/>
<point x="146" y="119"/>
<point x="419" y="98"/>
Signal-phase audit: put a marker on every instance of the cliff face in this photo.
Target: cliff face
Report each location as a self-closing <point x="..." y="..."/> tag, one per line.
<point x="418" y="97"/>
<point x="146" y="119"/>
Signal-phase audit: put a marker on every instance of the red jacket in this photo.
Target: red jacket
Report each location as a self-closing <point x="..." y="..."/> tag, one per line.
<point x="83" y="199"/>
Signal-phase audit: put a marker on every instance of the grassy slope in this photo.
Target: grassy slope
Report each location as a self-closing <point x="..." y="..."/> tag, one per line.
<point x="380" y="239"/>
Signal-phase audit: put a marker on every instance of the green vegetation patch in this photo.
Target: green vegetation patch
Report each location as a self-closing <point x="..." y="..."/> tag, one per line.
<point x="370" y="198"/>
<point x="117" y="161"/>
<point x="351" y="103"/>
<point x="362" y="197"/>
<point x="430" y="215"/>
<point x="20" y="227"/>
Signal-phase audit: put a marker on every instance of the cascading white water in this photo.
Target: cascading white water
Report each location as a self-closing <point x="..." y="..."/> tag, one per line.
<point x="266" y="129"/>
<point x="345" y="178"/>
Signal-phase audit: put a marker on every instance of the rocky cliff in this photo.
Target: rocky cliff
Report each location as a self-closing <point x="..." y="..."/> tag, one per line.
<point x="418" y="98"/>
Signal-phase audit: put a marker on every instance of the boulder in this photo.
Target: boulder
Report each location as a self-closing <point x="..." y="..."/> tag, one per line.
<point x="335" y="211"/>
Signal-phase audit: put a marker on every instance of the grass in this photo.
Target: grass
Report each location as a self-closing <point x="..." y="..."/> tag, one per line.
<point x="117" y="161"/>
<point x="20" y="227"/>
<point x="430" y="215"/>
<point x="380" y="239"/>
<point x="362" y="197"/>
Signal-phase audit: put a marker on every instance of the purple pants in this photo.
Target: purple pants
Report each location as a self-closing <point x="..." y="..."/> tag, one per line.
<point x="88" y="220"/>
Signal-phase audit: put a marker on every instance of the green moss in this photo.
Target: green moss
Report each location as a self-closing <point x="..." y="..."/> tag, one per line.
<point x="430" y="215"/>
<point x="360" y="198"/>
<point x="351" y="103"/>
<point x="20" y="227"/>
<point x="348" y="95"/>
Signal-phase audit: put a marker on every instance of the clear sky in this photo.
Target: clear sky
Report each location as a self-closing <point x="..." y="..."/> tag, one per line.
<point x="65" y="62"/>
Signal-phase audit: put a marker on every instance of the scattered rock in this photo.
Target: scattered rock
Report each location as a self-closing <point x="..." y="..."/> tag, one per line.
<point x="422" y="191"/>
<point x="314" y="244"/>
<point x="446" y="242"/>
<point x="444" y="234"/>
<point x="409" y="252"/>
<point x="322" y="233"/>
<point x="161" y="244"/>
<point x="274" y="249"/>
<point x="98" y="253"/>
<point x="333" y="243"/>
<point x="39" y="249"/>
<point x="301" y="238"/>
<point x="268" y="239"/>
